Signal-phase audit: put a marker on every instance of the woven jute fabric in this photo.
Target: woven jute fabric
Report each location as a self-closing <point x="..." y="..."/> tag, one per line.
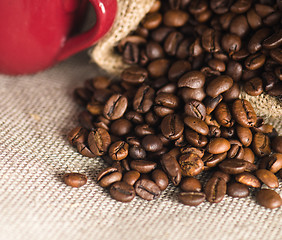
<point x="36" y="114"/>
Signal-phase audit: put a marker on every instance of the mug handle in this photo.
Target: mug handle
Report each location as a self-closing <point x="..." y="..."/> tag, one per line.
<point x="105" y="15"/>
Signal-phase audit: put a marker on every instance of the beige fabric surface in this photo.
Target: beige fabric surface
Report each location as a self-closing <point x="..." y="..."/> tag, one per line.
<point x="36" y="114"/>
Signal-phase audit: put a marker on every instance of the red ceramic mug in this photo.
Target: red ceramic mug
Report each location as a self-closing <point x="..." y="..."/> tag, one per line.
<point x="34" y="33"/>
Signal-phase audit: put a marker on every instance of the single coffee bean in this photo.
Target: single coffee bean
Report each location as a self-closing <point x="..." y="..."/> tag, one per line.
<point x="168" y="100"/>
<point x="83" y="149"/>
<point x="152" y="119"/>
<point x="212" y="160"/>
<point x="253" y="86"/>
<point x="217" y="64"/>
<point x="191" y="164"/>
<point x="234" y="70"/>
<point x="172" y="42"/>
<point x="175" y="18"/>
<point x="249" y="155"/>
<point x="99" y="141"/>
<point x="190" y="93"/>
<point x="211" y="103"/>
<point x="233" y="166"/>
<point x="143" y="99"/>
<point x="191" y="198"/>
<point x="239" y="26"/>
<point x="231" y="43"/>
<point x="143" y="130"/>
<point x="177" y="69"/>
<point x="121" y="127"/>
<point x="134" y="117"/>
<point x="172" y="168"/>
<point x="131" y="177"/>
<point x="232" y="94"/>
<point x="255" y="43"/>
<point x="190" y="184"/>
<point x="195" y="139"/>
<point x="240" y="6"/>
<point x="158" y="67"/>
<point x="118" y="150"/>
<point x="168" y="88"/>
<point x="159" y="34"/>
<point x="219" y="85"/>
<point x="223" y="115"/>
<point x="137" y="152"/>
<point x="239" y="190"/>
<point x="108" y="176"/>
<point x="195" y="108"/>
<point x="245" y="135"/>
<point x="160" y="178"/>
<point x="276" y="144"/>
<point x="236" y="150"/>
<point x="255" y="61"/>
<point x="269" y="198"/>
<point x="134" y="75"/>
<point x="254" y="19"/>
<point x="214" y="131"/>
<point x="274" y="162"/>
<point x="85" y="119"/>
<point x="77" y="135"/>
<point x="248" y="179"/>
<point x="274" y="41"/>
<point x="152" y="20"/>
<point x="75" y="179"/>
<point x="147" y="189"/>
<point x="261" y="144"/>
<point x="244" y="113"/>
<point x="215" y="189"/>
<point x="210" y="40"/>
<point x="130" y="53"/>
<point x="121" y="191"/>
<point x="192" y="79"/>
<point x="172" y="126"/>
<point x="197" y="125"/>
<point x="143" y="166"/>
<point x="267" y="178"/>
<point x="115" y="107"/>
<point x="218" y="145"/>
<point x="219" y="174"/>
<point x="154" y="50"/>
<point x="152" y="143"/>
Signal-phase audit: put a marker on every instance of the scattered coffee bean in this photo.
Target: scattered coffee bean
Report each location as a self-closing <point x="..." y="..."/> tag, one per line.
<point x="75" y="179"/>
<point x="269" y="198"/>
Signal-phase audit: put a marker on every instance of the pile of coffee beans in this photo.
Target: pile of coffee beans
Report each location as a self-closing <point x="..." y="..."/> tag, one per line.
<point x="175" y="115"/>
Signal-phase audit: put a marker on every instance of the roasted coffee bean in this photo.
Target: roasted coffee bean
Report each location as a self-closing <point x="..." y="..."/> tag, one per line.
<point x="190" y="93"/>
<point x="197" y="125"/>
<point x="99" y="141"/>
<point x="236" y="150"/>
<point x="177" y="69"/>
<point x="175" y="18"/>
<point x="261" y="144"/>
<point x="172" y="126"/>
<point x="82" y="96"/>
<point x="134" y="117"/>
<point x="219" y="85"/>
<point x="143" y="130"/>
<point x="214" y="131"/>
<point x="255" y="43"/>
<point x="143" y="99"/>
<point x="172" y="168"/>
<point x="253" y="86"/>
<point x="211" y="103"/>
<point x="245" y="135"/>
<point x="143" y="166"/>
<point x="152" y="143"/>
<point x="210" y="121"/>
<point x="130" y="53"/>
<point x="195" y="108"/>
<point x="75" y="179"/>
<point x="118" y="150"/>
<point x="249" y="155"/>
<point x="151" y="118"/>
<point x="195" y="139"/>
<point x="273" y="41"/>
<point x="255" y="61"/>
<point x="234" y="70"/>
<point x="241" y="6"/>
<point x="108" y="176"/>
<point x="248" y="179"/>
<point x="254" y="19"/>
<point x="160" y="178"/>
<point x="168" y="88"/>
<point x="77" y="135"/>
<point x="233" y="166"/>
<point x="227" y="132"/>
<point x="191" y="164"/>
<point x="134" y="75"/>
<point x="86" y="120"/>
<point x="152" y="20"/>
<point x="115" y="107"/>
<point x="190" y="184"/>
<point x="121" y="127"/>
<point x="83" y="149"/>
<point x="95" y="108"/>
<point x="121" y="191"/>
<point x="190" y="149"/>
<point x="159" y="34"/>
<point x="137" y="152"/>
<point x="138" y="40"/>
<point x="147" y="189"/>
<point x="191" y="198"/>
<point x="269" y="198"/>
<point x="231" y="43"/>
<point x="172" y="42"/>
<point x="276" y="55"/>
<point x="212" y="160"/>
<point x="154" y="50"/>
<point x="239" y="190"/>
<point x="210" y="40"/>
<point x="244" y="113"/>
<point x="218" y="145"/>
<point x="215" y="189"/>
<point x="158" y="67"/>
<point x="232" y="94"/>
<point x="223" y="116"/>
<point x="273" y="163"/>
<point x="239" y="26"/>
<point x="192" y="79"/>
<point x="276" y="144"/>
<point x="167" y="100"/>
<point x="267" y="178"/>
<point x="131" y="177"/>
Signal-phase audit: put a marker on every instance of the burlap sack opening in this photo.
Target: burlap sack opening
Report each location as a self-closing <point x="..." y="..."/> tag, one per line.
<point x="130" y="13"/>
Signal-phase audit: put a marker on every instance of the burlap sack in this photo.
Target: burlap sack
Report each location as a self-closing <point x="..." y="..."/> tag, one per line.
<point x="129" y="15"/>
